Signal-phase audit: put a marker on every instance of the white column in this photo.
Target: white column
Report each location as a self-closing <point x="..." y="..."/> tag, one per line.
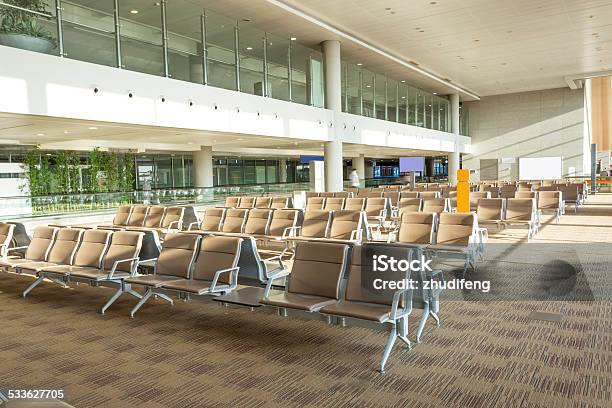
<point x="453" y="158"/>
<point x="333" y="100"/>
<point x="203" y="167"/>
<point x="282" y="170"/>
<point x="359" y="165"/>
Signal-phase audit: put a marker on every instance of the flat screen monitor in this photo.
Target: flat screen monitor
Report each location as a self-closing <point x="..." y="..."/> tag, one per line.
<point x="411" y="164"/>
<point x="540" y="168"/>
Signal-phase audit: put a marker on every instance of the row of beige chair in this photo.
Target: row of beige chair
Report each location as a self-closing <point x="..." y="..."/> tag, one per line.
<point x="147" y="217"/>
<point x="442" y="234"/>
<point x="258" y="202"/>
<point x="511" y="211"/>
<point x="337" y="194"/>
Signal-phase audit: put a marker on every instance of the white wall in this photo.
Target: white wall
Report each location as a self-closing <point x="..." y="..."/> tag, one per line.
<point x="39" y="84"/>
<point x="528" y="124"/>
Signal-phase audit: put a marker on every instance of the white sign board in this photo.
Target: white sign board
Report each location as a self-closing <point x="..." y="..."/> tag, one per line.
<point x="540" y="168"/>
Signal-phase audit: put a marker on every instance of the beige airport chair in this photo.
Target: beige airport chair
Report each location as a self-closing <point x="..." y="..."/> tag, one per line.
<point x="315" y="225"/>
<point x="263" y="202"/>
<point x="138" y="215"/>
<point x="409" y="194"/>
<point x="550" y="201"/>
<point x="332" y="204"/>
<point x="123" y="215"/>
<point x="436" y="205"/>
<point x="570" y="194"/>
<point x="507" y="191"/>
<point x="493" y="191"/>
<point x="393" y="196"/>
<point x="282" y="224"/>
<point x="326" y="194"/>
<point x="212" y="220"/>
<point x="234" y="221"/>
<point x="62" y="252"/>
<point x="353" y="190"/>
<point x="214" y="273"/>
<point x="347" y="226"/>
<point x="415" y="228"/>
<point x="315" y="203"/>
<point x="280" y="203"/>
<point x="38" y="249"/>
<point x="522" y="211"/>
<point x="375" y="193"/>
<point x="154" y="217"/>
<point x="232" y="202"/>
<point x="258" y="221"/>
<point x="491" y="211"/>
<point x="475" y="196"/>
<point x="457" y="235"/>
<point x="410" y="205"/>
<point x="525" y="194"/>
<point x="429" y="194"/>
<point x="355" y="204"/>
<point x="246" y="202"/>
<point x="6" y="238"/>
<point x="376" y="211"/>
<point x="310" y="194"/>
<point x="343" y="194"/>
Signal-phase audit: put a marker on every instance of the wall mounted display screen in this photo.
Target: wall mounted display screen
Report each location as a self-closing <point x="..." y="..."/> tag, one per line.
<point x="308" y="159"/>
<point x="411" y="164"/>
<point x="540" y="168"/>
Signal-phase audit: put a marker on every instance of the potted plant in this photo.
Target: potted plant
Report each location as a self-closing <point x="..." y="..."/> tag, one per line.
<point x="21" y="29"/>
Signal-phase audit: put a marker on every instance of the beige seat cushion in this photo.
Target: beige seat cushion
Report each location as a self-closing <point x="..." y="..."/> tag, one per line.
<point x="151" y="280"/>
<point x="192" y="286"/>
<point x="359" y="310"/>
<point x="13" y="262"/>
<point x="96" y="274"/>
<point x="63" y="269"/>
<point x="36" y="266"/>
<point x="298" y="301"/>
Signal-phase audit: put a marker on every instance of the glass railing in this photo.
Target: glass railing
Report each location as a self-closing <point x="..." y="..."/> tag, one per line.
<point x="58" y="204"/>
<point x="176" y="39"/>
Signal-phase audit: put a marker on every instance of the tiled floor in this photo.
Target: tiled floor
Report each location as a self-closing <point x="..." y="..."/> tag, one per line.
<point x="487" y="353"/>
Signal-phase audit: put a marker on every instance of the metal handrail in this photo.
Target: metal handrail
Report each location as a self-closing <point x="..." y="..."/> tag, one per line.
<point x="38" y="13"/>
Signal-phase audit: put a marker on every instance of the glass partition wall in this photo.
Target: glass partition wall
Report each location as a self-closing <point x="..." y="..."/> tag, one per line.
<point x="378" y="96"/>
<point x="176" y="39"/>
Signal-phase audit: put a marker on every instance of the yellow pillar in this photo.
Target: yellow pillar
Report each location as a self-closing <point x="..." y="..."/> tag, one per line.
<point x="463" y="190"/>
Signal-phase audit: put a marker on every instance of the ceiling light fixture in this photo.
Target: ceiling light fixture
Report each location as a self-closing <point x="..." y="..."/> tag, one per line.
<point x="65" y="132"/>
<point x="249" y="48"/>
<point x="133" y="11"/>
<point x="435" y="93"/>
<point x="359" y="64"/>
<point x="293" y="38"/>
<point x="40" y="134"/>
<point x="189" y="142"/>
<point x="92" y="128"/>
<point x="240" y="139"/>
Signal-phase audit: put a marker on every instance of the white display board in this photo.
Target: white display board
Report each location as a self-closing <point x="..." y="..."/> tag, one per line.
<point x="540" y="168"/>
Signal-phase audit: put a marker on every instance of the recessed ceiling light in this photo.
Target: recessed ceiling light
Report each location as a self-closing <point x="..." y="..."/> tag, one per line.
<point x="246" y="20"/>
<point x="293" y="38"/>
<point x="40" y="134"/>
<point x="240" y="139"/>
<point x="476" y="40"/>
<point x="133" y="11"/>
<point x="359" y="64"/>
<point x="403" y="81"/>
<point x="368" y="86"/>
<point x="387" y="8"/>
<point x="403" y="97"/>
<point x="433" y="2"/>
<point x="92" y="128"/>
<point x="189" y="142"/>
<point x="65" y="132"/>
<point x="249" y="48"/>
<point x="47" y="154"/>
<point x="435" y="93"/>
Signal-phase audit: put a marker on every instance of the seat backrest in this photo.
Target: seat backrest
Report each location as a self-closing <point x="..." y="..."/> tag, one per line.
<point x="279" y="202"/>
<point x="258" y="221"/>
<point x="315" y="203"/>
<point x="177" y="255"/>
<point x="65" y="245"/>
<point x="378" y="193"/>
<point x="216" y="253"/>
<point x="317" y="269"/>
<point x="232" y="202"/>
<point x="154" y="216"/>
<point x="490" y="209"/>
<point x="40" y="245"/>
<point x="281" y="220"/>
<point x="549" y="199"/>
<point x="456" y="228"/>
<point x="122" y="215"/>
<point x="569" y="192"/>
<point x="6" y="236"/>
<point x="342" y="194"/>
<point x="393" y="196"/>
<point x="310" y="194"/>
<point x="326" y="194"/>
<point x="138" y="215"/>
<point x="334" y="204"/>
<point x="213" y="219"/>
<point x="353" y="190"/>
<point x="409" y="194"/>
<point x="429" y="194"/>
<point x="344" y="222"/>
<point x="263" y="202"/>
<point x="417" y="227"/>
<point x="475" y="196"/>
<point x="94" y="244"/>
<point x="124" y="245"/>
<point x="524" y="194"/>
<point x="375" y="205"/>
<point x="494" y="191"/>
<point x="525" y="187"/>
<point x="235" y="218"/>
<point x="354" y="204"/>
<point x="316" y="223"/>
<point x="436" y="205"/>
<point x="410" y="204"/>
<point x="520" y="209"/>
<point x="173" y="217"/>
<point x="247" y="202"/>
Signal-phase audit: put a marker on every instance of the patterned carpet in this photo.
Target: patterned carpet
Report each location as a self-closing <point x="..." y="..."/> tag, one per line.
<point x="200" y="354"/>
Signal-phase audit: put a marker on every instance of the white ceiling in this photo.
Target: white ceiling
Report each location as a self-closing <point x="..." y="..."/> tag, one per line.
<point x="486" y="46"/>
<point x="69" y="134"/>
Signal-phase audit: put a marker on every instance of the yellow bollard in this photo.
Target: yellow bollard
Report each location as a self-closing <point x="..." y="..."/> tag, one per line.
<point x="463" y="190"/>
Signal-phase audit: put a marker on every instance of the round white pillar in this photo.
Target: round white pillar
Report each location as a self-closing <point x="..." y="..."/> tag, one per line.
<point x="453" y="158"/>
<point x="359" y="165"/>
<point x="203" y="167"/>
<point x="334" y="180"/>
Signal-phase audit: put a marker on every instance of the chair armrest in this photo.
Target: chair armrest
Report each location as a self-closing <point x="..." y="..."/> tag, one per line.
<point x="119" y="261"/>
<point x="19" y="247"/>
<point x="291" y="231"/>
<point x="178" y="225"/>
<point x="198" y="223"/>
<point x="233" y="278"/>
<point x="396" y="298"/>
<point x="356" y="235"/>
<point x="272" y="278"/>
<point x="279" y="258"/>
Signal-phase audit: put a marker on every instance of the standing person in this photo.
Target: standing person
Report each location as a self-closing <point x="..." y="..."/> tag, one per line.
<point x="354" y="178"/>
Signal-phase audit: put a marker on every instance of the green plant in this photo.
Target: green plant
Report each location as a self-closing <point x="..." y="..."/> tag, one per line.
<point x="21" y="22"/>
<point x="74" y="162"/>
<point x="95" y="164"/>
<point x="31" y="162"/>
<point x="111" y="171"/>
<point x="128" y="172"/>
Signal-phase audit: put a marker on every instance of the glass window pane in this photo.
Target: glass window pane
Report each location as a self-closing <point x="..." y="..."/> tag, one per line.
<point x="184" y="21"/>
<point x="412" y="106"/>
<point x="278" y="68"/>
<point x="141" y="38"/>
<point x="354" y="104"/>
<point x="89" y="31"/>
<point x="428" y="101"/>
<point x="220" y="50"/>
<point x="306" y="75"/>
<point x="249" y="172"/>
<point x="179" y="171"/>
<point x="420" y="108"/>
<point x="250" y="46"/>
<point x="368" y="93"/>
<point x="403" y="103"/>
<point x="235" y="174"/>
<point x="392" y="101"/>
<point x="381" y="88"/>
<point x="260" y="172"/>
<point x="435" y="107"/>
<point x="163" y="172"/>
<point x="271" y="171"/>
<point x="444" y="115"/>
<point x="46" y="39"/>
<point x="317" y="83"/>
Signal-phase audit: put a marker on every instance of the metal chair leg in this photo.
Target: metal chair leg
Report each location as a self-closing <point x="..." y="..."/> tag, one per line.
<point x="142" y="301"/>
<point x="33" y="285"/>
<point x="422" y="322"/>
<point x="112" y="300"/>
<point x="388" y="347"/>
